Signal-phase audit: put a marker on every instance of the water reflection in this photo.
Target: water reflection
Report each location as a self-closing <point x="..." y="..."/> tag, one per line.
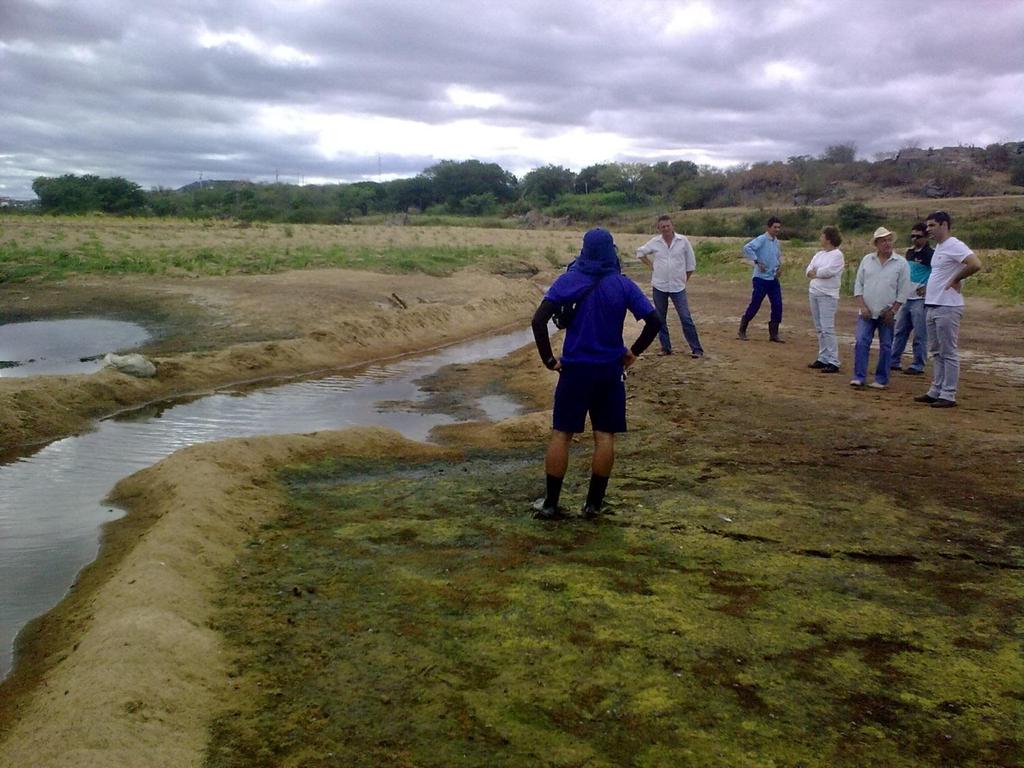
<point x="51" y="506"/>
<point x="64" y="346"/>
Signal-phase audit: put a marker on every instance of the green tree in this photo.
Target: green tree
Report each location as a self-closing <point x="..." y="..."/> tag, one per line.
<point x="117" y="195"/>
<point x="403" y="194"/>
<point x="543" y="185"/>
<point x="359" y="198"/>
<point x="840" y="153"/>
<point x="591" y="179"/>
<point x="454" y="181"/>
<point x="663" y="180"/>
<point x="1017" y="171"/>
<point x="66" y="194"/>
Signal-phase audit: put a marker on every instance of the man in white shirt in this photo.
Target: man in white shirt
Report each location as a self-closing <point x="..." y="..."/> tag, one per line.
<point x="881" y="288"/>
<point x="672" y="261"/>
<point x="952" y="262"/>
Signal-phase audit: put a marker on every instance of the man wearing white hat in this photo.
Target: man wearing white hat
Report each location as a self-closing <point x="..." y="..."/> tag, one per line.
<point x="881" y="288"/>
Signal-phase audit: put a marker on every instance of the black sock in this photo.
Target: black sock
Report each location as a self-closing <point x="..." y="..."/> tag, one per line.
<point x="554" y="491"/>
<point x="595" y="495"/>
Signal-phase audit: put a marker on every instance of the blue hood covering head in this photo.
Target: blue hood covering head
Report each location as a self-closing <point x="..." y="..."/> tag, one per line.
<point x="599" y="256"/>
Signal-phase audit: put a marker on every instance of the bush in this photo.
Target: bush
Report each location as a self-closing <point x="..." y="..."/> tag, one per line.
<point x="709" y="253"/>
<point x="716" y="225"/>
<point x="589" y="208"/>
<point x="853" y="216"/>
<point x="1017" y="171"/>
<point x="801" y="224"/>
<point x="478" y="205"/>
<point x="993" y="232"/>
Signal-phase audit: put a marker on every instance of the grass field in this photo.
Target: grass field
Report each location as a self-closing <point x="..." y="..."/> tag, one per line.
<point x="34" y="248"/>
<point x="53" y="248"/>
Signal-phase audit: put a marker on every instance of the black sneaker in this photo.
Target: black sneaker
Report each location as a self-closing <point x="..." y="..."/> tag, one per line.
<point x="925" y="398"/>
<point x="591" y="512"/>
<point x="913" y="371"/>
<point x="816" y="364"/>
<point x="941" y="402"/>
<point x="550" y="513"/>
<point x="829" y="368"/>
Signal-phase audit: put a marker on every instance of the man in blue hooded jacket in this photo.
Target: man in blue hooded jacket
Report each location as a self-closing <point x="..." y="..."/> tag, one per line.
<point x="592" y="366"/>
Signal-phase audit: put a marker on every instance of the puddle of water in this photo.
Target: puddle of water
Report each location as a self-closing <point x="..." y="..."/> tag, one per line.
<point x="51" y="507"/>
<point x="498" y="407"/>
<point x="64" y="346"/>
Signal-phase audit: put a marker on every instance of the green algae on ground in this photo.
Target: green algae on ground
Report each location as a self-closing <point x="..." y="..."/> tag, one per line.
<point x="416" y="615"/>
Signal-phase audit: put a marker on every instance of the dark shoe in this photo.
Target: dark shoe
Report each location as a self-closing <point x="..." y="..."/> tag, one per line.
<point x="925" y="398"/>
<point x="590" y="512"/>
<point x="696" y="355"/>
<point x="550" y="513"/>
<point x="941" y="402"/>
<point x="816" y="364"/>
<point x="895" y="368"/>
<point x="913" y="372"/>
<point x="742" y="333"/>
<point x="830" y="368"/>
<point x="773" y="333"/>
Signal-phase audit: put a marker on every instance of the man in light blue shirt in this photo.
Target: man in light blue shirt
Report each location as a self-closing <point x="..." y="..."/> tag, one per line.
<point x="766" y="255"/>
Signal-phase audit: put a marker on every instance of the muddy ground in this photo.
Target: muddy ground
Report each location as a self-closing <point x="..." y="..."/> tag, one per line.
<point x="771" y="478"/>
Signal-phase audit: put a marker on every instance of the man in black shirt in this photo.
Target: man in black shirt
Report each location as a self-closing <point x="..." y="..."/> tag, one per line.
<point x="912" y="315"/>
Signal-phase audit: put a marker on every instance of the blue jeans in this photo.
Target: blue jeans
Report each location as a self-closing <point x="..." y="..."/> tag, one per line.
<point x="683" y="310"/>
<point x="823" y="312"/>
<point x="912" y="317"/>
<point x="865" y="333"/>
<point x="761" y="288"/>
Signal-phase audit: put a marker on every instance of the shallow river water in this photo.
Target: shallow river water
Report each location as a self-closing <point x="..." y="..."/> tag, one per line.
<point x="64" y="346"/>
<point x="51" y="502"/>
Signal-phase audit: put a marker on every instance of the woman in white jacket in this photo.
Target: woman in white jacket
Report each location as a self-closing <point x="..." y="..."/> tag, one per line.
<point x="825" y="273"/>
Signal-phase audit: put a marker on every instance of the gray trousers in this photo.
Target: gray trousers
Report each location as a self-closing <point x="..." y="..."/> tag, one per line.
<point x="943" y="335"/>
<point x="823" y="311"/>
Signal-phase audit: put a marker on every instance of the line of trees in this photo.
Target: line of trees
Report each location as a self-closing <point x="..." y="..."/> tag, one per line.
<point x="80" y="194"/>
<point x="474" y="188"/>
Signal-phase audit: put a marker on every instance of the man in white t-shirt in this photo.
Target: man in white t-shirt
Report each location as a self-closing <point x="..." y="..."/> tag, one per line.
<point x="672" y="261"/>
<point x="952" y="262"/>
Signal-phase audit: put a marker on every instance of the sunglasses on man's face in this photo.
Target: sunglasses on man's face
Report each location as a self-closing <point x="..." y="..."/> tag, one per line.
<point x="916" y="236"/>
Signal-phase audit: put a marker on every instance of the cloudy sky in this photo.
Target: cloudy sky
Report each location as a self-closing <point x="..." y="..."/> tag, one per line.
<point x="342" y="90"/>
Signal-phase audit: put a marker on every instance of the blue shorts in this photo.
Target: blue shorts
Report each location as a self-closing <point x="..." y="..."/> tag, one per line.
<point x="599" y="390"/>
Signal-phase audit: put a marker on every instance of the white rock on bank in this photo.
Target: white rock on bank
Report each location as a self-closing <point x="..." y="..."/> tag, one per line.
<point x="133" y="365"/>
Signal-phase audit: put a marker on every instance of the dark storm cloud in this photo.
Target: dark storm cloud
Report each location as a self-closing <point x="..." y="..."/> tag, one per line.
<point x="160" y="93"/>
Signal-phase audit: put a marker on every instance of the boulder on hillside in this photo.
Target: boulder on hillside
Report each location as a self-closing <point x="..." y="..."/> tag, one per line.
<point x="934" y="189"/>
<point x="533" y="219"/>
